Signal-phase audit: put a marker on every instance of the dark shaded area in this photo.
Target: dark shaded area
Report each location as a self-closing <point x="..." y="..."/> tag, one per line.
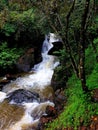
<point x="56" y="47"/>
<point x="8" y="79"/>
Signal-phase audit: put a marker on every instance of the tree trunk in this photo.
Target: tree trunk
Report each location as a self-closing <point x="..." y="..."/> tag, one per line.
<point x="67" y="45"/>
<point x="82" y="75"/>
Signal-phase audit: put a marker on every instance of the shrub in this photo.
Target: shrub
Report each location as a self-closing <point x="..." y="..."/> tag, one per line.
<point x="92" y="80"/>
<point x="8" y="56"/>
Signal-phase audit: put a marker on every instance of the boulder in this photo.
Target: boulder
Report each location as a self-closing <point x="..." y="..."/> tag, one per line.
<point x="60" y="99"/>
<point x="26" y="61"/>
<point x="51" y="111"/>
<point x="10" y="77"/>
<point x="21" y="95"/>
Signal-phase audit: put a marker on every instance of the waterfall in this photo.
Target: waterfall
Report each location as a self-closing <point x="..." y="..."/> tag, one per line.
<point x="38" y="82"/>
<point x="46" y="45"/>
<point x="48" y="61"/>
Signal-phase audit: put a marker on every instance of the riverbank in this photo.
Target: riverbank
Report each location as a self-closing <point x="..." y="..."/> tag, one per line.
<point x="80" y="110"/>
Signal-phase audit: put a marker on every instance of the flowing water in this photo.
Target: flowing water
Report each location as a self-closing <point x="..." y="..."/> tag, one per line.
<point x="26" y="114"/>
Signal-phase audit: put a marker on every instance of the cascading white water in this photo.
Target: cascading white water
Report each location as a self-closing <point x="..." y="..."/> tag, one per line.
<point x="37" y="82"/>
<point x="48" y="61"/>
<point x="43" y="71"/>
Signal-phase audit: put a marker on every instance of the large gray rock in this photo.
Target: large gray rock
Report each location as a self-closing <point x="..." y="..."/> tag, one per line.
<point x="19" y="96"/>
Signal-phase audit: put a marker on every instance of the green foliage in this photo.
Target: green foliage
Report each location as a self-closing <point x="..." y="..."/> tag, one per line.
<point x="78" y="110"/>
<point x="62" y="54"/>
<point x="8" y="29"/>
<point x="96" y="41"/>
<point x="18" y="27"/>
<point x="92" y="80"/>
<point x="8" y="56"/>
<point x="90" y="60"/>
<point x="92" y="29"/>
<point x="19" y="5"/>
<point x="49" y="13"/>
<point x="2" y="4"/>
<point x="63" y="71"/>
<point x="18" y="22"/>
<point x="91" y="66"/>
<point x="91" y="57"/>
<point x="24" y="22"/>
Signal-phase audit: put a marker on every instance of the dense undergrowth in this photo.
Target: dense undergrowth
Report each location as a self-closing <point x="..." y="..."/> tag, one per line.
<point x="79" y="107"/>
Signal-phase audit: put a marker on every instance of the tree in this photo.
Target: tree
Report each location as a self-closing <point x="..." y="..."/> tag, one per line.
<point x="82" y="46"/>
<point x="18" y="29"/>
<point x="58" y="15"/>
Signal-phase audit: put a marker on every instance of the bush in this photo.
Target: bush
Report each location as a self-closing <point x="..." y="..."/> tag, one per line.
<point x="90" y="60"/>
<point x="8" y="56"/>
<point x="92" y="81"/>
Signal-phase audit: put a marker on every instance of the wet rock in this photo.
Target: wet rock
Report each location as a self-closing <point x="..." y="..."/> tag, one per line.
<point x="50" y="115"/>
<point x="40" y="110"/>
<point x="44" y="120"/>
<point x="10" y="77"/>
<point x="60" y="100"/>
<point x="3" y="82"/>
<point x="47" y="94"/>
<point x="57" y="92"/>
<point x="51" y="111"/>
<point x="59" y="96"/>
<point x="21" y="95"/>
<point x="26" y="61"/>
<point x="6" y="80"/>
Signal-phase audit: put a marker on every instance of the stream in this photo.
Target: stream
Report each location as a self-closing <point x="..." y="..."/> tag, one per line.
<point x="24" y="101"/>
